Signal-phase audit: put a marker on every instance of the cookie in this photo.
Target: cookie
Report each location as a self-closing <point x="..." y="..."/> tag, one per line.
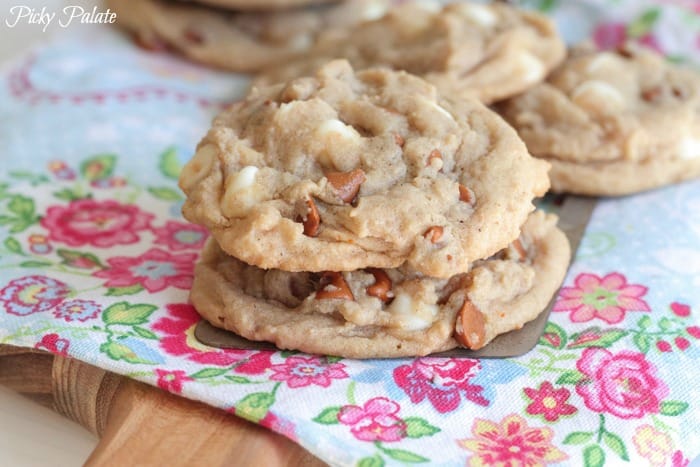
<point x="374" y="313"/>
<point x="263" y="5"/>
<point x="347" y="170"/>
<point x="613" y="122"/>
<point x="485" y="51"/>
<point x="235" y="41"/>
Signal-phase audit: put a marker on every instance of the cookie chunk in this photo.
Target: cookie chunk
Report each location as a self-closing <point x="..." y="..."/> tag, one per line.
<point x="234" y="40"/>
<point x="346" y="170"/>
<point x="486" y="51"/>
<point x="262" y="5"/>
<point x="385" y="312"/>
<point x="613" y="123"/>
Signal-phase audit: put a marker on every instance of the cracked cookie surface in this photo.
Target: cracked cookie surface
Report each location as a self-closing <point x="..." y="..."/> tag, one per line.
<point x="613" y="122"/>
<point x="347" y="170"/>
<point x="238" y="41"/>
<point x="385" y="312"/>
<point x="490" y="52"/>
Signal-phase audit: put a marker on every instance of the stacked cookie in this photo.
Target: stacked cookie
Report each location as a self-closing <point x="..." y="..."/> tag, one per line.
<point x="365" y="214"/>
<point x="239" y="35"/>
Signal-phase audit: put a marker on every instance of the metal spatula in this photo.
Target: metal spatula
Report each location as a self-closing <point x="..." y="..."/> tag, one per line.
<point x="574" y="213"/>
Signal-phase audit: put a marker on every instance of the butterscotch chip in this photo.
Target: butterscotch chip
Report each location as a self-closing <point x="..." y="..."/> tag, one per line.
<point x="266" y="156"/>
<point x="238" y="40"/>
<point x="490" y="52"/>
<point x="383" y="313"/>
<point x="613" y="123"/>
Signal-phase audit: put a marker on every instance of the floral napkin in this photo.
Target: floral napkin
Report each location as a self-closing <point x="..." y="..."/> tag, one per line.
<point x="96" y="263"/>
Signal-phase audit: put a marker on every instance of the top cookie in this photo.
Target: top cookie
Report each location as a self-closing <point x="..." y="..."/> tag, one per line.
<point x="613" y="122"/>
<point x="490" y="52"/>
<point x="262" y="4"/>
<point x="347" y="170"/>
<point x="238" y="41"/>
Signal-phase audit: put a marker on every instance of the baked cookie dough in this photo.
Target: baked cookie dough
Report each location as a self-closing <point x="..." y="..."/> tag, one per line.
<point x="376" y="313"/>
<point x="613" y="122"/>
<point x="238" y="41"/>
<point x="490" y="52"/>
<point x="347" y="170"/>
<point x="264" y="5"/>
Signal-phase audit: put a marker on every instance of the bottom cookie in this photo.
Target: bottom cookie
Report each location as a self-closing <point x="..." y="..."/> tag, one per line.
<point x="377" y="313"/>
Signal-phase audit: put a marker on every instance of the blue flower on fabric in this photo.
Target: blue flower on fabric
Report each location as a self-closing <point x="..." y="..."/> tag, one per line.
<point x="77" y="310"/>
<point x="495" y="372"/>
<point x="33" y="294"/>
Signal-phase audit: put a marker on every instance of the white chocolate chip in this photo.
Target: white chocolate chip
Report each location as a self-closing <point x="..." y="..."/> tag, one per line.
<point x="336" y="128"/>
<point x="373" y="10"/>
<point x="532" y="68"/>
<point x="429" y="5"/>
<point x="689" y="148"/>
<point x="602" y="61"/>
<point x="410" y="314"/>
<point x="198" y="167"/>
<point x="479" y="14"/>
<point x="597" y="97"/>
<point x="241" y="193"/>
<point x="439" y="108"/>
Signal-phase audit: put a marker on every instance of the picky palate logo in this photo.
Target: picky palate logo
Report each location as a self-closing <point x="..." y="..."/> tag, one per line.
<point x="70" y="14"/>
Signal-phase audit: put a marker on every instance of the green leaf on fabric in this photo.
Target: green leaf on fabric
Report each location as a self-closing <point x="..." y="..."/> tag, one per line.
<point x="374" y="461"/>
<point x="665" y="324"/>
<point x="35" y="264"/>
<point x="570" y="377"/>
<point x="69" y="194"/>
<point x="124" y="313"/>
<point x="404" y="456"/>
<point x="169" y="164"/>
<point x="578" y="437"/>
<point x="145" y="333"/>
<point x="330" y="359"/>
<point x="644" y="322"/>
<point x="98" y="167"/>
<point x="546" y="6"/>
<point x="593" y="456"/>
<point x="417" y="427"/>
<point x="209" y="373"/>
<point x="238" y="379"/>
<point x="121" y="291"/>
<point x="13" y="246"/>
<point x="21" y="206"/>
<point x="120" y="351"/>
<point x="643" y="342"/>
<point x="79" y="260"/>
<point x="329" y="416"/>
<point x="644" y="23"/>
<point x="254" y="406"/>
<point x="553" y="336"/>
<point x="165" y="193"/>
<point x="673" y="408"/>
<point x="33" y="179"/>
<point x="616" y="445"/>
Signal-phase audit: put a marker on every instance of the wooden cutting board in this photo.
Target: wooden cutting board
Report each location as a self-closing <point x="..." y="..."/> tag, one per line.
<point x="139" y="424"/>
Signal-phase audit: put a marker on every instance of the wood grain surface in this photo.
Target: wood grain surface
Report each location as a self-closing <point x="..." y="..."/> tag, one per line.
<point x="139" y="424"/>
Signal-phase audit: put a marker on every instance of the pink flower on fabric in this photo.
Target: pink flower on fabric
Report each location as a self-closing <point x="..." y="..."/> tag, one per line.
<point x="54" y="344"/>
<point x="179" y="340"/>
<point x="375" y="421"/>
<point x="32" y="294"/>
<point x="443" y="381"/>
<point x="180" y="236"/>
<point x="606" y="298"/>
<point x="622" y="384"/>
<point x="97" y="223"/>
<point x="279" y="424"/>
<point x="154" y="270"/>
<point x="549" y="402"/>
<point x="300" y="371"/>
<point x="172" y="381"/>
<point x="510" y="443"/>
<point x="613" y="35"/>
